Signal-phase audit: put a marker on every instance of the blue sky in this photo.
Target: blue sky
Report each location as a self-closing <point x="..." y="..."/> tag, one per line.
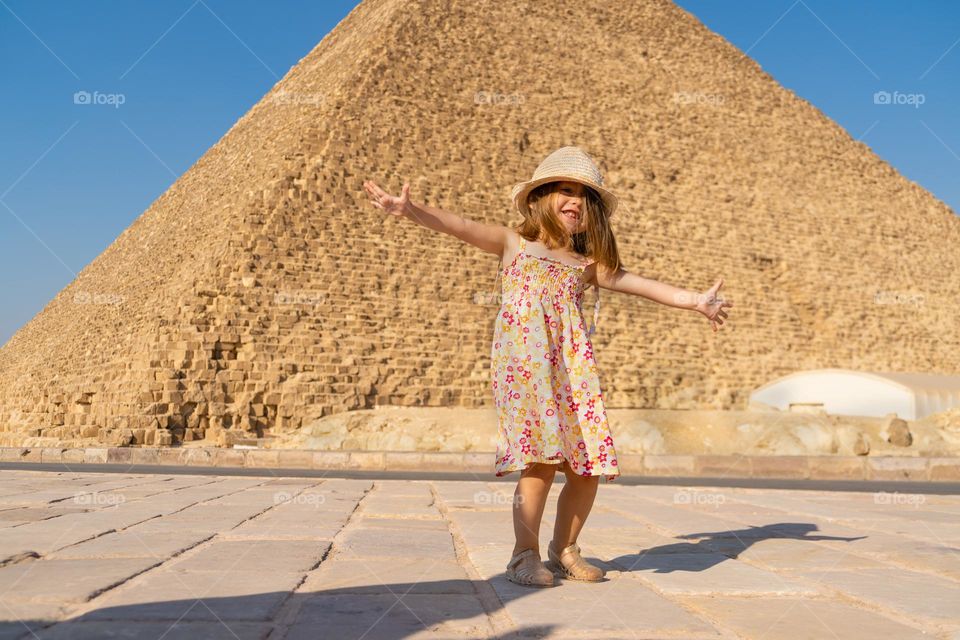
<point x="74" y="176"/>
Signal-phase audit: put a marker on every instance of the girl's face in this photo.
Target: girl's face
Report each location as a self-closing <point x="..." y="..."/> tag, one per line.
<point x="570" y="196"/>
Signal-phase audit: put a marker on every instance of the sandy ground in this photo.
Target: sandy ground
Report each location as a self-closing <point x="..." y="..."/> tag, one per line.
<point x="641" y="431"/>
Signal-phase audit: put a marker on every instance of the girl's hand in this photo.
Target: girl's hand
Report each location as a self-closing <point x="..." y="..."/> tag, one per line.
<point x="394" y="205"/>
<point x="711" y="306"/>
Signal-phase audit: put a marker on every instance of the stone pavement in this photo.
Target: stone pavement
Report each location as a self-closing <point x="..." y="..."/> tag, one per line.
<point x="96" y="555"/>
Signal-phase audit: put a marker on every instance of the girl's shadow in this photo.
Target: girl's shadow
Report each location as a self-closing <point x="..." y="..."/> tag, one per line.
<point x="714" y="547"/>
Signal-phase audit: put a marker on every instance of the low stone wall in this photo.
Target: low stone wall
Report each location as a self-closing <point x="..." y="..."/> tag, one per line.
<point x="705" y="466"/>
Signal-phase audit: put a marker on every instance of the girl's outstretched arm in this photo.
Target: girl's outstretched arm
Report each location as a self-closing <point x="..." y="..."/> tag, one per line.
<point x="706" y="303"/>
<point x="491" y="238"/>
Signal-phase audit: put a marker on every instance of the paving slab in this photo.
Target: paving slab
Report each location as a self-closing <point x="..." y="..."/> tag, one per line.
<point x="291" y="556"/>
<point x="613" y="608"/>
<point x="921" y="597"/>
<point x="376" y="542"/>
<point x="126" y="630"/>
<point x="785" y="554"/>
<point x="133" y="544"/>
<point x="20" y="619"/>
<point x="388" y="617"/>
<point x="70" y="581"/>
<point x="197" y="595"/>
<point x="285" y="558"/>
<point x="393" y="575"/>
<point x="801" y="619"/>
<point x="708" y="573"/>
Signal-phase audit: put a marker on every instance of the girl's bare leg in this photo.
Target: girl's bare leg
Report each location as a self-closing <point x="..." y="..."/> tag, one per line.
<point x="529" y="500"/>
<point x="573" y="507"/>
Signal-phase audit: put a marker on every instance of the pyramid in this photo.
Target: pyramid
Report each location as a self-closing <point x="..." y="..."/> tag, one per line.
<point x="262" y="291"/>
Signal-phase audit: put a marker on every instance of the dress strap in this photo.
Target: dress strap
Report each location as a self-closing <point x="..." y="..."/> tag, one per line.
<point x="596" y="306"/>
<point x="523" y="244"/>
<point x="596" y="313"/>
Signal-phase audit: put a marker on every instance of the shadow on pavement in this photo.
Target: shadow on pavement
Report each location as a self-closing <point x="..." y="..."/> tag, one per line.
<point x="376" y="611"/>
<point x="715" y="547"/>
<point x="449" y="608"/>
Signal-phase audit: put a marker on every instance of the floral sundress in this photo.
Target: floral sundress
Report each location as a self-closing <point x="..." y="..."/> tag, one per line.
<point x="545" y="382"/>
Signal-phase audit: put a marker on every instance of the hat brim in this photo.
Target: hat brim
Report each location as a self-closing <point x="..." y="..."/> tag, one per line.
<point x="521" y="190"/>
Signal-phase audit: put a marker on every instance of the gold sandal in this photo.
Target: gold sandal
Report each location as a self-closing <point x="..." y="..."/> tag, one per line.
<point x="572" y="565"/>
<point x="527" y="569"/>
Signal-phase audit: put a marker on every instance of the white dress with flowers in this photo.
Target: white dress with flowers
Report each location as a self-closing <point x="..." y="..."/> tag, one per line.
<point x="545" y="381"/>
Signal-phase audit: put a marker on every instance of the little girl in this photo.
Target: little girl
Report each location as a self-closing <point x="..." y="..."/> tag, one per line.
<point x="544" y="375"/>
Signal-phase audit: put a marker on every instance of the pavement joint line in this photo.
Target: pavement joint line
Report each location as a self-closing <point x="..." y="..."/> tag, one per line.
<point x="869" y="602"/>
<point x="831" y="592"/>
<point x="399" y="599"/>
<point x="175" y="489"/>
<point x="75" y="493"/>
<point x="628" y="572"/>
<point x="182" y="509"/>
<point x="289" y="608"/>
<point x="20" y="620"/>
<point x="112" y="489"/>
<point x="616" y="583"/>
<point x="18" y="558"/>
<point x="58" y="515"/>
<point x="194" y="547"/>
<point x="496" y="610"/>
<point x="24" y="574"/>
<point x="89" y="605"/>
<point x="868" y="555"/>
<point x="818" y="586"/>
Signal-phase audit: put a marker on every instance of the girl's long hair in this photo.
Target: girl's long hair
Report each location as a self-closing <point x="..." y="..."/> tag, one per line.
<point x="596" y="241"/>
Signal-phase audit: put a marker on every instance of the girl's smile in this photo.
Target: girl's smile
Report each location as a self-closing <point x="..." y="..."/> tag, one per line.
<point x="570" y="205"/>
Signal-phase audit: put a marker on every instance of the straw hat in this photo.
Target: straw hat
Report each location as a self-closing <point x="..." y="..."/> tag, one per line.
<point x="566" y="163"/>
